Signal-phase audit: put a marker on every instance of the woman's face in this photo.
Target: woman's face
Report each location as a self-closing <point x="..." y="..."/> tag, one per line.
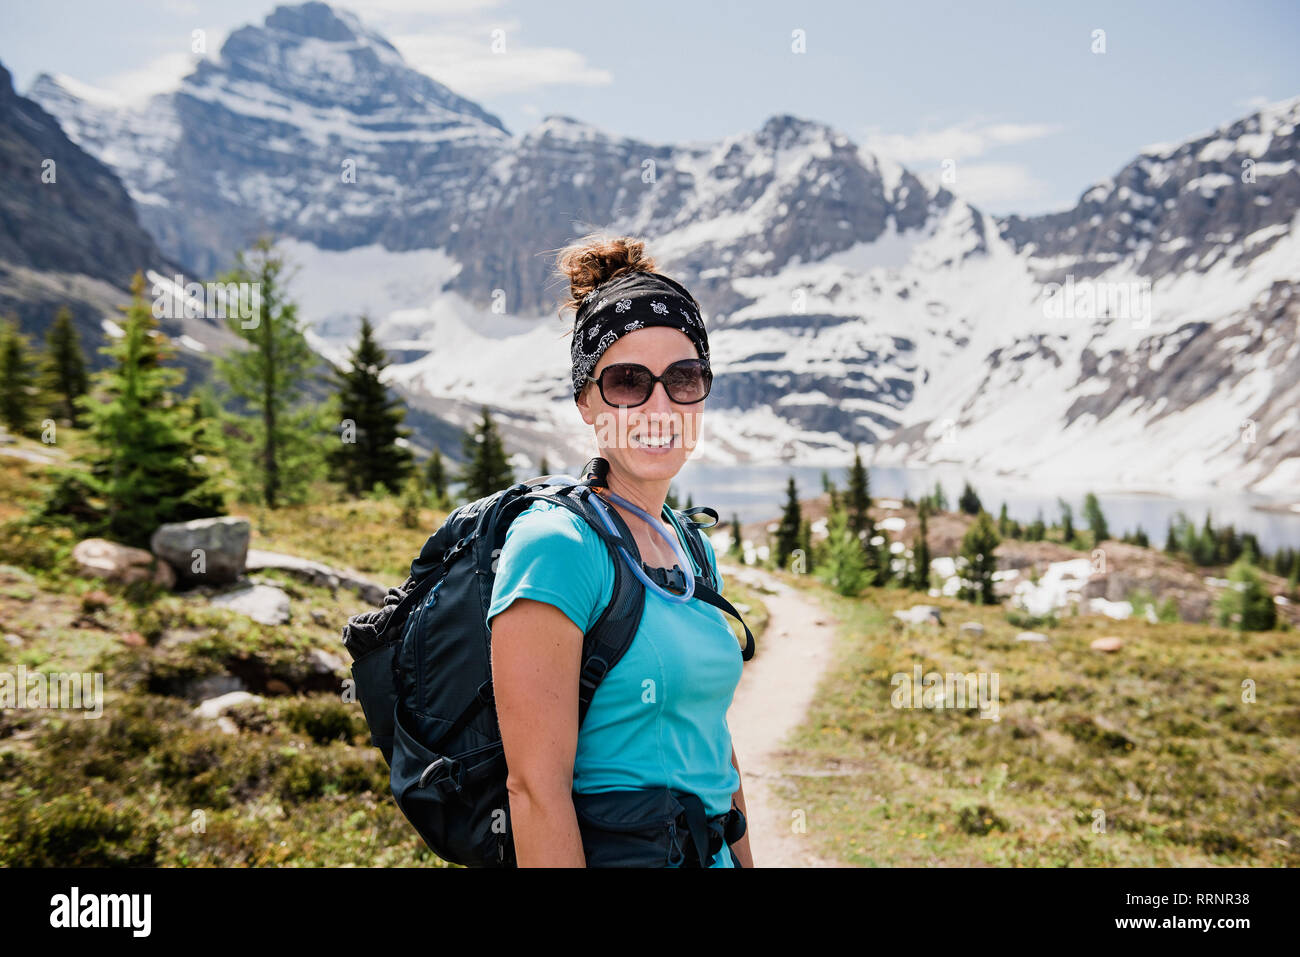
<point x="619" y="432"/>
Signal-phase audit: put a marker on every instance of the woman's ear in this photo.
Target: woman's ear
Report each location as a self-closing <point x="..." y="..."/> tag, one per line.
<point x="584" y="407"/>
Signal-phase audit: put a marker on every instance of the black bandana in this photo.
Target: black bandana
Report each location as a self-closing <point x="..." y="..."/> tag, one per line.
<point x="631" y="301"/>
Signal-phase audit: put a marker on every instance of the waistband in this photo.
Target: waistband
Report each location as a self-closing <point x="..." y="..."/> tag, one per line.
<point x="706" y="831"/>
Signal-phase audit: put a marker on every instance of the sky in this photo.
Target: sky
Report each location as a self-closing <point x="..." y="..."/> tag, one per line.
<point x="1029" y="101"/>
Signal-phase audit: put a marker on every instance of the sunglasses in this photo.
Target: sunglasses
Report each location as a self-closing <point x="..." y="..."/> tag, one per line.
<point x="629" y="384"/>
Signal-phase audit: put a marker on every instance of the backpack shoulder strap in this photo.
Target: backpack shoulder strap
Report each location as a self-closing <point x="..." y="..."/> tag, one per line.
<point x="611" y="636"/>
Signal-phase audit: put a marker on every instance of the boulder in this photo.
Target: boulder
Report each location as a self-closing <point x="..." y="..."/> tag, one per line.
<point x="1031" y="636"/>
<point x="214" y="709"/>
<point x="325" y="663"/>
<point x="317" y="573"/>
<point x="221" y="544"/>
<point x="1109" y="643"/>
<point x="100" y="558"/>
<point x="972" y="628"/>
<point x="921" y="615"/>
<point x="262" y="603"/>
<point x="213" y="686"/>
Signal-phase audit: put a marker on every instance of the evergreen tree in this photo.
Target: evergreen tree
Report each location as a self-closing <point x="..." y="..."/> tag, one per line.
<point x="737" y="543"/>
<point x="977" y="547"/>
<point x="858" y="498"/>
<point x="65" y="367"/>
<point x="787" y="531"/>
<point x="280" y="449"/>
<point x="1140" y="538"/>
<point x="939" y="500"/>
<point x="690" y="503"/>
<point x="1246" y="604"/>
<point x="544" y="467"/>
<point x="671" y="499"/>
<point x="413" y="499"/>
<point x="435" y="475"/>
<point x="969" y="502"/>
<point x="1037" y="529"/>
<point x="486" y="469"/>
<point x="920" y="577"/>
<point x="147" y="467"/>
<point x="805" y="542"/>
<point x="1067" y="521"/>
<point x="826" y="481"/>
<point x="1004" y="522"/>
<point x="844" y="570"/>
<point x="19" y="388"/>
<point x="374" y="447"/>
<point x="1092" y="514"/>
<point x="1171" y="540"/>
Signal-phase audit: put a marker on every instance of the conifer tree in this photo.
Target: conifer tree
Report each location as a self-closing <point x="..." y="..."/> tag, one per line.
<point x="843" y="570"/>
<point x="1246" y="604"/>
<point x="969" y="502"/>
<point x="787" y="531"/>
<point x="486" y="468"/>
<point x="1096" y="520"/>
<point x="378" y="452"/>
<point x="543" y="467"/>
<point x="19" y="388"/>
<point x="64" y="367"/>
<point x="148" y="465"/>
<point x="1067" y="521"/>
<point x="977" y="549"/>
<point x="281" y="447"/>
<point x="920" y="577"/>
<point x="435" y="474"/>
<point x="1004" y="522"/>
<point x="737" y="544"/>
<point x="939" y="500"/>
<point x="805" y="542"/>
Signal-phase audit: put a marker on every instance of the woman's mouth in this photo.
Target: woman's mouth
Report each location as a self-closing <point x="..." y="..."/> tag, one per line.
<point x="654" y="445"/>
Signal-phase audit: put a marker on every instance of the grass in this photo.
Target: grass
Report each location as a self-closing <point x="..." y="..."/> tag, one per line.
<point x="1146" y="757"/>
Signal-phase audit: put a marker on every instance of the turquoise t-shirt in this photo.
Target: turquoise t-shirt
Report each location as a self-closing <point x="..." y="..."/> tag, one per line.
<point x="659" y="716"/>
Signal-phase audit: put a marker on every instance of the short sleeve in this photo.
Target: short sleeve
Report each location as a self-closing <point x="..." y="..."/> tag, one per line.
<point x="548" y="557"/>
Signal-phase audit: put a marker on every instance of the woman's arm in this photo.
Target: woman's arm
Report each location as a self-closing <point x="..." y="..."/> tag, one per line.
<point x="536" y="655"/>
<point x="741" y="848"/>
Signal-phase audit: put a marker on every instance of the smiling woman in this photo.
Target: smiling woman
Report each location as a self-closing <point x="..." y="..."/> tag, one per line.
<point x="650" y="779"/>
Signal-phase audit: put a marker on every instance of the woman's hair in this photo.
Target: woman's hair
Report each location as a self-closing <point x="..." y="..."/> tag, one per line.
<point x="597" y="258"/>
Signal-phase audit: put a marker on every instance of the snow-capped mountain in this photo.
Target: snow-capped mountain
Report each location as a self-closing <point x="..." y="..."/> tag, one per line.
<point x="848" y="300"/>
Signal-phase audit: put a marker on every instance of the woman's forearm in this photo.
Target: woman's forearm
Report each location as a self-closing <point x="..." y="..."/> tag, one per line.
<point x="741" y="848"/>
<point x="545" y="831"/>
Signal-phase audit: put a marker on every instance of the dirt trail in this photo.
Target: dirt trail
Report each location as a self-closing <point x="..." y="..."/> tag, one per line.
<point x="774" y="694"/>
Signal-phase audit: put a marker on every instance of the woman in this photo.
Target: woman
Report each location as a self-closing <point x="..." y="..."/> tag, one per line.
<point x="658" y="719"/>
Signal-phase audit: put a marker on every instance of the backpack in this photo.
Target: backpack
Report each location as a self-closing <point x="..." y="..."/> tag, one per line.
<point x="422" y="662"/>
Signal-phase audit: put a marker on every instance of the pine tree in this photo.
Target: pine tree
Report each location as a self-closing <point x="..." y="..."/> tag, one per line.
<point x="858" y="498"/>
<point x="486" y="468"/>
<point x="1067" y="521"/>
<point x="826" y="481"/>
<point x="920" y="576"/>
<point x="1246" y="605"/>
<point x="374" y="449"/>
<point x="737" y="542"/>
<point x="280" y="449"/>
<point x="939" y="500"/>
<point x="543" y="467"/>
<point x="1038" y="528"/>
<point x="435" y="475"/>
<point x="690" y="502"/>
<point x="1092" y="514"/>
<point x="413" y="499"/>
<point x="19" y="388"/>
<point x="787" y="531"/>
<point x="843" y="570"/>
<point x="969" y="502"/>
<point x="1004" y="522"/>
<point x="805" y="542"/>
<point x="65" y="367"/>
<point x="977" y="548"/>
<point x="1171" y="540"/>
<point x="671" y="499"/>
<point x="147" y="467"/>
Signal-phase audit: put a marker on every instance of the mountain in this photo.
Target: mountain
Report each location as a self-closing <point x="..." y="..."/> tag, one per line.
<point x="849" y="300"/>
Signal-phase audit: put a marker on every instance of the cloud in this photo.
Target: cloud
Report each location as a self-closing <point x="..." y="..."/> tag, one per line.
<point x="464" y="60"/>
<point x="998" y="187"/>
<point x="159" y="75"/>
<point x="965" y="140"/>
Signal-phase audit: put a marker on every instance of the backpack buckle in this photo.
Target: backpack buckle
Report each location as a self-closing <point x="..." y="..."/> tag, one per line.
<point x="593" y="672"/>
<point x="450" y="771"/>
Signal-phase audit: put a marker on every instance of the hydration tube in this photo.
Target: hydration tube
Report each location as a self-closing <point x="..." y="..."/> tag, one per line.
<point x="682" y="558"/>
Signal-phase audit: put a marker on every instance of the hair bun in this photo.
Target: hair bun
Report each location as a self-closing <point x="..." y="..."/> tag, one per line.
<point x="597" y="258"/>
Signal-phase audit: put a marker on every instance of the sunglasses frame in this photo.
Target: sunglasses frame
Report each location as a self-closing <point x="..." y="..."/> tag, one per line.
<point x="707" y="375"/>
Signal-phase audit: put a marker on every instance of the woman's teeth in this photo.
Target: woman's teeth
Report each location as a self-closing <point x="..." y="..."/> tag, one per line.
<point x="646" y="442"/>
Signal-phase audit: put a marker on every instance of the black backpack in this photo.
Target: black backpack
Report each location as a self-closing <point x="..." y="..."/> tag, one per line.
<point x="422" y="662"/>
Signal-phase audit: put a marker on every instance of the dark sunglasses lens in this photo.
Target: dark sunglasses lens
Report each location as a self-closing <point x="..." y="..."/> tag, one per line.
<point x="687" y="381"/>
<point x="626" y="384"/>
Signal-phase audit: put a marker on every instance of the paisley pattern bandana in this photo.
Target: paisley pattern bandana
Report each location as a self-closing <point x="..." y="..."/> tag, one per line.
<point x="625" y="303"/>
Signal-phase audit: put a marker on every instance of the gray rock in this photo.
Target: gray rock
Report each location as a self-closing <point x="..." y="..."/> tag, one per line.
<point x="213" y="686"/>
<point x="324" y="663"/>
<point x="1034" y="636"/>
<point x="972" y="628"/>
<point x="221" y="543"/>
<point x="213" y="708"/>
<point x="13" y="641"/>
<point x="317" y="573"/>
<point x="921" y="615"/>
<point x="262" y="603"/>
<point x="100" y="558"/>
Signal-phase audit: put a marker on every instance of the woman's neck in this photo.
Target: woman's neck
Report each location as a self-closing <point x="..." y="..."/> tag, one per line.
<point x="649" y="496"/>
